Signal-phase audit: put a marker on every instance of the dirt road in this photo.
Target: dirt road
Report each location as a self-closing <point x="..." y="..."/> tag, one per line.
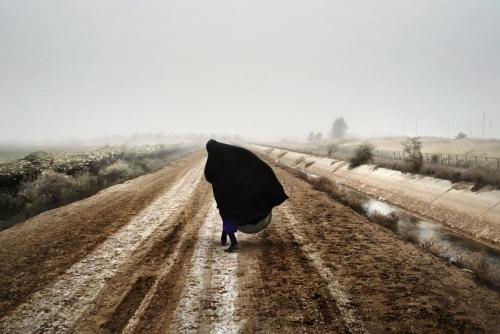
<point x="143" y="257"/>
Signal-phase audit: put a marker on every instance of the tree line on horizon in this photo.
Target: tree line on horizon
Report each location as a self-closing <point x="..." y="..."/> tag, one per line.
<point x="338" y="130"/>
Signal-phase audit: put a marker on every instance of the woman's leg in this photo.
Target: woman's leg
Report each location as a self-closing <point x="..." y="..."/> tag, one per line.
<point x="223" y="238"/>
<point x="234" y="243"/>
<point x="232" y="237"/>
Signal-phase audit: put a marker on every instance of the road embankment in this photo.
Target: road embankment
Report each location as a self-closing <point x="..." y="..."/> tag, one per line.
<point x="474" y="213"/>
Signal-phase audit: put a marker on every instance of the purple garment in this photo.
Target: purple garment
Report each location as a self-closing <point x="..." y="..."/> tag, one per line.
<point x="228" y="226"/>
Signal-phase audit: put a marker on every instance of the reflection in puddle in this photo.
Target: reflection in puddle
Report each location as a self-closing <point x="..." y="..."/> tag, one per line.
<point x="373" y="207"/>
<point x="454" y="248"/>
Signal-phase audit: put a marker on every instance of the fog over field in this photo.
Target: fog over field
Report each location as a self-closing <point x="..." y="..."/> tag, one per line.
<point x="352" y="186"/>
<point x="261" y="69"/>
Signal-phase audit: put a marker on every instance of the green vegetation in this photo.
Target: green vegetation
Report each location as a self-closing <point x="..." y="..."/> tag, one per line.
<point x="42" y="181"/>
<point x="412" y="148"/>
<point x="362" y="154"/>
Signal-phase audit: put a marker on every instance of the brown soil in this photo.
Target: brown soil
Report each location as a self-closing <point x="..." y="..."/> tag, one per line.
<point x="318" y="268"/>
<point x="40" y="249"/>
<point x="395" y="285"/>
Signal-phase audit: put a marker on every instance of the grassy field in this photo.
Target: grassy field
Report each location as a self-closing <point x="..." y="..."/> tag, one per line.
<point x="12" y="152"/>
<point x="490" y="148"/>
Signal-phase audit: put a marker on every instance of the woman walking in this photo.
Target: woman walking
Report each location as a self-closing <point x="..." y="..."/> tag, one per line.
<point x="245" y="189"/>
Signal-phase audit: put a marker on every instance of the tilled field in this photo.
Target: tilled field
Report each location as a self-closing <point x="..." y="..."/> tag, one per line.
<point x="144" y="257"/>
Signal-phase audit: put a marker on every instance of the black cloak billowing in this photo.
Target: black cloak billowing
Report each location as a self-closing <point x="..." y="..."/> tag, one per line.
<point x="245" y="187"/>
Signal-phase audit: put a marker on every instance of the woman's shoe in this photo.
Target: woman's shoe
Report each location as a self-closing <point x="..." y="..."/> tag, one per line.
<point x="232" y="248"/>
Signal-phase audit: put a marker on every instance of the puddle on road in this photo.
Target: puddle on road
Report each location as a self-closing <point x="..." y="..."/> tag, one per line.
<point x="373" y="207"/>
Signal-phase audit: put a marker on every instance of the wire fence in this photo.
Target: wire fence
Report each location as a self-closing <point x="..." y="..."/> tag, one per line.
<point x="455" y="160"/>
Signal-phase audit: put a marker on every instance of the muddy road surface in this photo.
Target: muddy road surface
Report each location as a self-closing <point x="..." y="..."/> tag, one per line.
<point x="144" y="257"/>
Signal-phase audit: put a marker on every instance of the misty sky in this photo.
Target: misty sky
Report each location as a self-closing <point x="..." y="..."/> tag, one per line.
<point x="257" y="68"/>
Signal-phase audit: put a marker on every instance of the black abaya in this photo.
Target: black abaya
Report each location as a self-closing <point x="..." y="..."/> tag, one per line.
<point x="245" y="187"/>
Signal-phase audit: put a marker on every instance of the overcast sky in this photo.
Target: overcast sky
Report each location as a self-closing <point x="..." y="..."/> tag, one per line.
<point x="256" y="68"/>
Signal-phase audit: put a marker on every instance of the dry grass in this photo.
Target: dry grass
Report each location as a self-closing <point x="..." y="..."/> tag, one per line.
<point x="479" y="176"/>
<point x="483" y="271"/>
<point x="407" y="232"/>
<point x="389" y="221"/>
<point x="430" y="245"/>
<point x="327" y="186"/>
<point x="339" y="194"/>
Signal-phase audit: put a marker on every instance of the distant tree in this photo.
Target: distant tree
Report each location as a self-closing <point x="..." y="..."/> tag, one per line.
<point x="339" y="128"/>
<point x="461" y="135"/>
<point x="311" y="136"/>
<point x="318" y="136"/>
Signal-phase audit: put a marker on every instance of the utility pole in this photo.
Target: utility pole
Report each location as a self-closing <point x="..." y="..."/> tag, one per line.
<point x="490" y="126"/>
<point x="484" y="116"/>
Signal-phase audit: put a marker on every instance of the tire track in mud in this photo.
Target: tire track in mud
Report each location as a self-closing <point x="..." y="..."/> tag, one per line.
<point x="162" y="298"/>
<point x="208" y="300"/>
<point x="118" y="303"/>
<point x="47" y="245"/>
<point x="252" y="298"/>
<point x="57" y="307"/>
<point x="353" y="323"/>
